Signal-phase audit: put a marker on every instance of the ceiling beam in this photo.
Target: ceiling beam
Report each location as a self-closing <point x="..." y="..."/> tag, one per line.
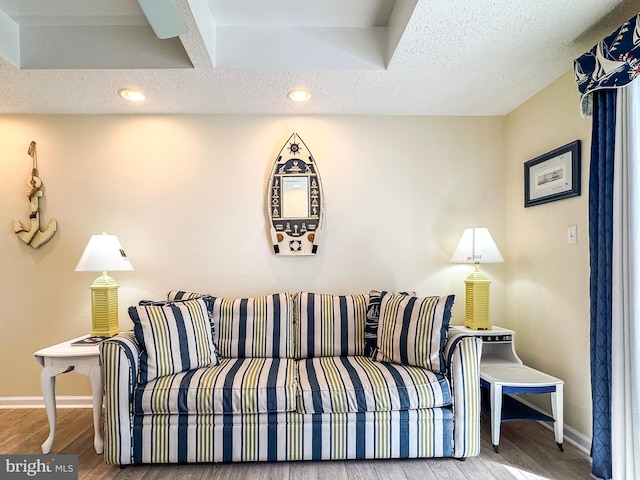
<point x="9" y="40"/>
<point x="164" y="18"/>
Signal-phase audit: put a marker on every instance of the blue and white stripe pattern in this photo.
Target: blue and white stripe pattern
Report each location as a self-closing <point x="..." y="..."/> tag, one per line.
<point x="293" y="436"/>
<point x="183" y="295"/>
<point x="358" y="384"/>
<point x="120" y="358"/>
<point x="176" y="336"/>
<point x="255" y="327"/>
<point x="413" y="331"/>
<point x="373" y="318"/>
<point x="339" y="406"/>
<point x="330" y="325"/>
<point x="236" y="385"/>
<point x="462" y="355"/>
<point x="251" y="327"/>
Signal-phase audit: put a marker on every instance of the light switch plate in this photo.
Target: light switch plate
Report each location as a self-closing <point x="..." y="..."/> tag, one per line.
<point x="572" y="234"/>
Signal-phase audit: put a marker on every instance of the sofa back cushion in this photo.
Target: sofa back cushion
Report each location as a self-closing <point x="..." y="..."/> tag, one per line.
<point x="174" y="336"/>
<point x="260" y="327"/>
<point x="330" y="325"/>
<point x="413" y="331"/>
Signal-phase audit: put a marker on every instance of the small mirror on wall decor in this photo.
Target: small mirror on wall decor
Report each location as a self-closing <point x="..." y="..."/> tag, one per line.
<point x="295" y="201"/>
<point x="295" y="197"/>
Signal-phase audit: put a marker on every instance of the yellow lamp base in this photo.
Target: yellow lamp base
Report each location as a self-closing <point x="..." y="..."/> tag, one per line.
<point x="477" y="301"/>
<point x="104" y="307"/>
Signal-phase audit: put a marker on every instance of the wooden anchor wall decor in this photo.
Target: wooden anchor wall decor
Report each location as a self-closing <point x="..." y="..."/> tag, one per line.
<point x="33" y="235"/>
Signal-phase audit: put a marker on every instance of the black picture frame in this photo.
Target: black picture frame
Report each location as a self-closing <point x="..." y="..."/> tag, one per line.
<point x="553" y="176"/>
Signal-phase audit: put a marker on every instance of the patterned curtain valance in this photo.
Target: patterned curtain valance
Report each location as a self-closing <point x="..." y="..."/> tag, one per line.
<point x="613" y="62"/>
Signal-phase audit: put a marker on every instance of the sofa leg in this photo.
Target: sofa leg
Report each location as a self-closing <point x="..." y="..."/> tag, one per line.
<point x="462" y="459"/>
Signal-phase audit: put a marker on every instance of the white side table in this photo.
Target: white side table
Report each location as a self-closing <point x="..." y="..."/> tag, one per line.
<point x="63" y="358"/>
<point x="502" y="372"/>
<point x="521" y="380"/>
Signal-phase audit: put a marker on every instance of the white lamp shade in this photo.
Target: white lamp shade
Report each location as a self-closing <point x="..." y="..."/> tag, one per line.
<point x="476" y="246"/>
<point x="103" y="253"/>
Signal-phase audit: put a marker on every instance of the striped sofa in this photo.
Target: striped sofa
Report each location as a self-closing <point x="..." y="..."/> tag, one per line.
<point x="289" y="377"/>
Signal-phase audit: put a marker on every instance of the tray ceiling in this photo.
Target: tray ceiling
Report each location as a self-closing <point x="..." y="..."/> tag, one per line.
<point x="399" y="57"/>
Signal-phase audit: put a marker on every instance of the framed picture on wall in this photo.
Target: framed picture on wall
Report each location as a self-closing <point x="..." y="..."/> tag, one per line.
<point x="553" y="176"/>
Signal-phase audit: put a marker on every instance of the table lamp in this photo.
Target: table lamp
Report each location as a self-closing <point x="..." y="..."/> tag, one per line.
<point x="104" y="253"/>
<point x="477" y="246"/>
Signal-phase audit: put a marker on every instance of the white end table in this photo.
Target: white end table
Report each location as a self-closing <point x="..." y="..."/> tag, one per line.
<point x="62" y="358"/>
<point x="502" y="372"/>
<point x="521" y="380"/>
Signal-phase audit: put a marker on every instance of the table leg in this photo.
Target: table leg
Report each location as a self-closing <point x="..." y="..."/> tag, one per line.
<point x="97" y="390"/>
<point x="496" y="414"/>
<point x="557" y="409"/>
<point x="48" y="386"/>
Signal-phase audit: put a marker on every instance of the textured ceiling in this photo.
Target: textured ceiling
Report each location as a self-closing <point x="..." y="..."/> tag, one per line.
<point x="398" y="57"/>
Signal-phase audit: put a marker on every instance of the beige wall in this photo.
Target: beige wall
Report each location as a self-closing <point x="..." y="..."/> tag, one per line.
<point x="185" y="195"/>
<point x="547" y="300"/>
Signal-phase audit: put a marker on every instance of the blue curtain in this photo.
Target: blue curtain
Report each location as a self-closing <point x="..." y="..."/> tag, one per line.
<point x="600" y="244"/>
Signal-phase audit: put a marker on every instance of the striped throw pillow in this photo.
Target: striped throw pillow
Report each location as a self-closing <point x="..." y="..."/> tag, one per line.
<point x="174" y="336"/>
<point x="174" y="295"/>
<point x="373" y="318"/>
<point x="413" y="330"/>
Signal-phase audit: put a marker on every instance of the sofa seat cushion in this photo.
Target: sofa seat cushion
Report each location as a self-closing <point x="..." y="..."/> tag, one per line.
<point x="359" y="384"/>
<point x="236" y="385"/>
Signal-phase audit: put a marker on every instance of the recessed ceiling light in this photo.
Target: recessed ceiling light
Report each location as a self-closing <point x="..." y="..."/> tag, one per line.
<point x="131" y="95"/>
<point x="299" y="95"/>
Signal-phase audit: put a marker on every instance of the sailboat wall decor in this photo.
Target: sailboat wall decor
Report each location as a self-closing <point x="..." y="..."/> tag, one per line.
<point x="295" y="200"/>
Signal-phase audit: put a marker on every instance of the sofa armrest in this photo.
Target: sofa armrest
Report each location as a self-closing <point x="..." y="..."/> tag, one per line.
<point x="120" y="357"/>
<point x="462" y="355"/>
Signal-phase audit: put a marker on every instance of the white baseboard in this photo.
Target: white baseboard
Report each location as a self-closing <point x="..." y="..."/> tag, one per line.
<point x="571" y="435"/>
<point x="38" y="402"/>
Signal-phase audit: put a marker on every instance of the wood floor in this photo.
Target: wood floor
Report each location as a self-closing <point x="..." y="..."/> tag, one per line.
<point x="527" y="452"/>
